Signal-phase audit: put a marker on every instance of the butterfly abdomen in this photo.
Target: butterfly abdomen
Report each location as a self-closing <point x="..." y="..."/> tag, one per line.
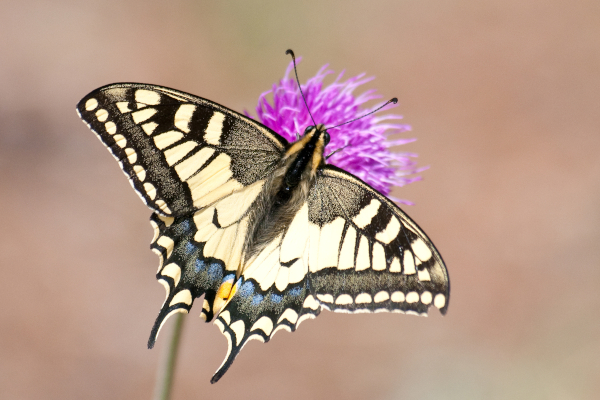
<point x="286" y="191"/>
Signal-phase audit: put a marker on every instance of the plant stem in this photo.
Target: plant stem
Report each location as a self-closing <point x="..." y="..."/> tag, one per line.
<point x="166" y="366"/>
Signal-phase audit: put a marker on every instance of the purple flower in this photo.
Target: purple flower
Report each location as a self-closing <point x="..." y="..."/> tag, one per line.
<point x="367" y="153"/>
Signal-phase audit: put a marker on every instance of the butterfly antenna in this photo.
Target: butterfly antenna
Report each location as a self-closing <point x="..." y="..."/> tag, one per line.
<point x="290" y="52"/>
<point x="394" y="100"/>
<point x="335" y="151"/>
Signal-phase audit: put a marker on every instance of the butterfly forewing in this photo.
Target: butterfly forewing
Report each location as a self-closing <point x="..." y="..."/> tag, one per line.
<point x="180" y="152"/>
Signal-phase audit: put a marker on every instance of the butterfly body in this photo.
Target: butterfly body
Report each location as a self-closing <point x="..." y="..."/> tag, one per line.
<point x="265" y="230"/>
<point x="283" y="194"/>
<point x="286" y="190"/>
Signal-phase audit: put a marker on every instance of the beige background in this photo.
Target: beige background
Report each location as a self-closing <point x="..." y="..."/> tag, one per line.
<point x="504" y="97"/>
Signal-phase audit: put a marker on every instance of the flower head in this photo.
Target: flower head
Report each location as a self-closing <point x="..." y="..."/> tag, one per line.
<point x="366" y="143"/>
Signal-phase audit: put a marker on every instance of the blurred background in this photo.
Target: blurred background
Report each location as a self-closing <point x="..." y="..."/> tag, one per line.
<point x="504" y="98"/>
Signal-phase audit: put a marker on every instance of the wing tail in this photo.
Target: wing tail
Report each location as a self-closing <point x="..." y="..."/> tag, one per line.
<point x="164" y="314"/>
<point x="232" y="350"/>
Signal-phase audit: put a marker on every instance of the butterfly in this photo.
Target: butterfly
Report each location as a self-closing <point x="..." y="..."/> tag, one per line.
<point x="265" y="230"/>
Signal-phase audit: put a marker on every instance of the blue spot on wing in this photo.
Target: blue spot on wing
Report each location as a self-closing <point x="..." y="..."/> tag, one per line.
<point x="257" y="299"/>
<point x="190" y="248"/>
<point x="200" y="265"/>
<point x="295" y="291"/>
<point x="185" y="225"/>
<point x="275" y="298"/>
<point x="215" y="272"/>
<point x="229" y="277"/>
<point x="246" y="289"/>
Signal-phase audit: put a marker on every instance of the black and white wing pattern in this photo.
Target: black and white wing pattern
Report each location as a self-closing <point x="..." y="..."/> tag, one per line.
<point x="205" y="170"/>
<point x="199" y="166"/>
<point x="348" y="249"/>
<point x="179" y="151"/>
<point x="273" y="293"/>
<point x="366" y="254"/>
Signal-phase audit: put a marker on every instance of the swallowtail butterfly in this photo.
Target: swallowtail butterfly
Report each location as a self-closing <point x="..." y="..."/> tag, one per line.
<point x="264" y="229"/>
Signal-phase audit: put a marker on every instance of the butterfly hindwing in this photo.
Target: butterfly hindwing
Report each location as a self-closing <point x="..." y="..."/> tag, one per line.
<point x="366" y="255"/>
<point x="254" y="313"/>
<point x="180" y="152"/>
<point x="273" y="292"/>
<point x="201" y="253"/>
<point x="184" y="272"/>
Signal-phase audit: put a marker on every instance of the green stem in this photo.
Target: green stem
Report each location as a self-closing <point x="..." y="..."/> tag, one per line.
<point x="166" y="366"/>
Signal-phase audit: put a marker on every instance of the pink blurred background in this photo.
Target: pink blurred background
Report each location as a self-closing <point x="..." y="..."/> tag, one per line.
<point x="504" y="98"/>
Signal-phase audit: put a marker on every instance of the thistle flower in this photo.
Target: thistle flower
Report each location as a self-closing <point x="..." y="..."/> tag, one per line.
<point x="366" y="143"/>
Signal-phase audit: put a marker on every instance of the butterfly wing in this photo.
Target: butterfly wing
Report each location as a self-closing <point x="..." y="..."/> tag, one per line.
<point x="180" y="152"/>
<point x="348" y="249"/>
<point x="199" y="166"/>
<point x="366" y="254"/>
<point x="200" y="253"/>
<point x="272" y="293"/>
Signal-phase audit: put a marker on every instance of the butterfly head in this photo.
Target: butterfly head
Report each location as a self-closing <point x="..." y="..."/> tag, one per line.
<point x="320" y="132"/>
<point x="307" y="151"/>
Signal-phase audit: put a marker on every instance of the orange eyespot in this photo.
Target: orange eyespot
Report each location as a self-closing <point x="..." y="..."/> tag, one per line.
<point x="233" y="290"/>
<point x="224" y="291"/>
